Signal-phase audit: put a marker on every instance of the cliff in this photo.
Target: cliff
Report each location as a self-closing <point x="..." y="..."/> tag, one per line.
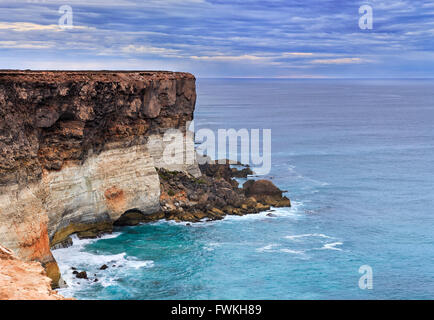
<point x="76" y="152"/>
<point x="83" y="151"/>
<point x="21" y="280"/>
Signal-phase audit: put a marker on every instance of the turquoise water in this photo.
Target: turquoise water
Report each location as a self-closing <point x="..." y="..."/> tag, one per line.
<point x="356" y="158"/>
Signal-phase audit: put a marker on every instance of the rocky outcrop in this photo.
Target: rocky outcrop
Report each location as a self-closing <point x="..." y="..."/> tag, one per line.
<point x="79" y="149"/>
<point x="21" y="280"/>
<point x="266" y="192"/>
<point x="215" y="194"/>
<point x="209" y="197"/>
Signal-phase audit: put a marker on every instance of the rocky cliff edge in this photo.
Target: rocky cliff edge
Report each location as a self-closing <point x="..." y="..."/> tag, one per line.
<point x="75" y="152"/>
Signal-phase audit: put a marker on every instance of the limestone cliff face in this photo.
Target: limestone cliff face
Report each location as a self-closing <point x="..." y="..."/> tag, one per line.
<point x="79" y="149"/>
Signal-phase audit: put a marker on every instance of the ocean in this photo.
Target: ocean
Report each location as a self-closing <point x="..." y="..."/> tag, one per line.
<point x="357" y="160"/>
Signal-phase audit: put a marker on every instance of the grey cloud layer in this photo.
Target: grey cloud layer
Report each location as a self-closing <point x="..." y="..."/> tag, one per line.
<point x="222" y="38"/>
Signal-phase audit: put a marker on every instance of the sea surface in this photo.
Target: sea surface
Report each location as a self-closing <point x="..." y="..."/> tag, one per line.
<point x="357" y="160"/>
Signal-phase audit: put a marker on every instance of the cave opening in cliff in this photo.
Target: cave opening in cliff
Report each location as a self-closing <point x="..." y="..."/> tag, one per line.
<point x="131" y="217"/>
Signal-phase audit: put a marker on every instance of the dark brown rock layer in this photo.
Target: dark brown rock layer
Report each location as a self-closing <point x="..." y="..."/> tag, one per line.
<point x="50" y="118"/>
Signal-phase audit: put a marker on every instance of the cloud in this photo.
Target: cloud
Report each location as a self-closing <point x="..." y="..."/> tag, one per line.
<point x="25" y="45"/>
<point x="245" y="57"/>
<point x="222" y="37"/>
<point x="164" y="52"/>
<point x="28" y="26"/>
<point x="338" y="61"/>
<point x="89" y="64"/>
<point x="298" y="54"/>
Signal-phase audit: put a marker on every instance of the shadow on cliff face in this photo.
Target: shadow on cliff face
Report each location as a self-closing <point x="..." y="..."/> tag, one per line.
<point x="129" y="218"/>
<point x="134" y="217"/>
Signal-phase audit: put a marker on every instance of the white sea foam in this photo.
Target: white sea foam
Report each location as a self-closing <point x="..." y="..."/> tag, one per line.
<point x="76" y="257"/>
<point x="202" y="223"/>
<point x="307" y="235"/>
<point x="274" y="247"/>
<point x="268" y="248"/>
<point x="292" y="251"/>
<point x="211" y="246"/>
<point x="214" y="244"/>
<point x="317" y="237"/>
<point x="292" y="212"/>
<point x="332" y="246"/>
<point x="113" y="235"/>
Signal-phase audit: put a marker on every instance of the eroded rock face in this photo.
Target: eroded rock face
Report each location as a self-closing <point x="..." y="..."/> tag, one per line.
<point x="49" y="118"/>
<point x="21" y="280"/>
<point x="76" y="152"/>
<point x="98" y="192"/>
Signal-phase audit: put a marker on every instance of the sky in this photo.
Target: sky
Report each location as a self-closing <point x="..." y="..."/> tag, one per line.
<point x="222" y="38"/>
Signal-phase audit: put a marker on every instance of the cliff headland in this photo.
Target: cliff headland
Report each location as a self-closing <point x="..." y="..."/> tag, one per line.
<point x="79" y="155"/>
